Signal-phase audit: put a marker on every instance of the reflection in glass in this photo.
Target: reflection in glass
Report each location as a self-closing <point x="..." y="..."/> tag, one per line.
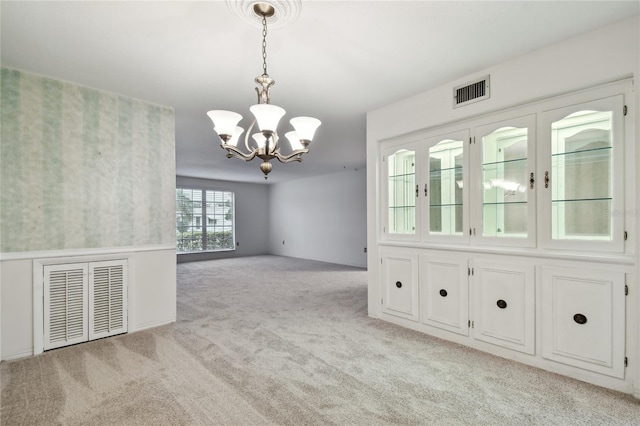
<point x="446" y="186"/>
<point x="402" y="199"/>
<point x="581" y="176"/>
<point x="504" y="180"/>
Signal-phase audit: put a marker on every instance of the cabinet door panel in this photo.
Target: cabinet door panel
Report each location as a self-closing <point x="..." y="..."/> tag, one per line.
<point x="445" y="162"/>
<point x="581" y="161"/>
<point x="584" y="319"/>
<point x="504" y="305"/>
<point x="401" y="210"/>
<point x="400" y="286"/>
<point x="444" y="293"/>
<point x="504" y="203"/>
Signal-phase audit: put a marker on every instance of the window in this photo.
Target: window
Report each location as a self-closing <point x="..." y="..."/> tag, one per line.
<point x="216" y="232"/>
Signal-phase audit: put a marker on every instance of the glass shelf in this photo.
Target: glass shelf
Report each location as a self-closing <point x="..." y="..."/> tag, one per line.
<point x="402" y="175"/>
<point x="431" y="170"/>
<point x="581" y="151"/>
<point x="505" y="162"/>
<point x="581" y="200"/>
<point x="504" y="202"/>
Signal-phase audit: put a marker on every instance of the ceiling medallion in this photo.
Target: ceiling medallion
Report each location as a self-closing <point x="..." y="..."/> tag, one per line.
<point x="264" y="143"/>
<point x="284" y="11"/>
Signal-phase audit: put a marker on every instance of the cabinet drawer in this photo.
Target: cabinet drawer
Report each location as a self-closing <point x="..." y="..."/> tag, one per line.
<point x="504" y="300"/>
<point x="583" y="319"/>
<point x="444" y="293"/>
<point x="400" y="285"/>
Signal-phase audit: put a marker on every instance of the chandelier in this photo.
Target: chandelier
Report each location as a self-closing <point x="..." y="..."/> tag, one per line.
<point x="264" y="144"/>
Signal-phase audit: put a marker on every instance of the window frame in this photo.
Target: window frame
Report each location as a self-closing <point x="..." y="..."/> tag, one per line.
<point x="201" y="211"/>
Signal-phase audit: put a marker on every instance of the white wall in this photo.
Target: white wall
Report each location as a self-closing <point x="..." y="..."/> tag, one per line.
<point x="251" y="221"/>
<point x="597" y="57"/>
<point x="320" y="218"/>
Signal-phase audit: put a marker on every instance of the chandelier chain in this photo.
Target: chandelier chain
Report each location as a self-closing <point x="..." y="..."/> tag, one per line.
<point x="264" y="45"/>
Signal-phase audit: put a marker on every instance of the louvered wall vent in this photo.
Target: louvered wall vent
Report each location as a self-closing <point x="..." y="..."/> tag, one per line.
<point x="469" y="93"/>
<point x="84" y="301"/>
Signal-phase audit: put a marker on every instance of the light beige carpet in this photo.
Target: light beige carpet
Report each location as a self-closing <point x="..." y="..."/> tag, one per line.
<point x="273" y="340"/>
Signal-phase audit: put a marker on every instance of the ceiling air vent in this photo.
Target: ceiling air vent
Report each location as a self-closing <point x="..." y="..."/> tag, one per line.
<point x="469" y="93"/>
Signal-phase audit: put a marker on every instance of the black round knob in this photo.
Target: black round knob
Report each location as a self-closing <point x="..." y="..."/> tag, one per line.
<point x="398" y="284"/>
<point x="580" y="319"/>
<point x="501" y="304"/>
<point x="443" y="293"/>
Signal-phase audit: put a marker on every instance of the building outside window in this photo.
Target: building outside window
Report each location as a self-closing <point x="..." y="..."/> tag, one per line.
<point x="195" y="234"/>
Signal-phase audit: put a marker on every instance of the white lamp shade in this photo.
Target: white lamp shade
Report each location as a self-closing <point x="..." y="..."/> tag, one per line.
<point x="236" y="136"/>
<point x="305" y="127"/>
<point x="224" y="122"/>
<point x="294" y="141"/>
<point x="267" y="116"/>
<point x="260" y="139"/>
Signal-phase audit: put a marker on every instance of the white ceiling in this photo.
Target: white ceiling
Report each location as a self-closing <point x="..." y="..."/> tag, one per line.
<point x="339" y="60"/>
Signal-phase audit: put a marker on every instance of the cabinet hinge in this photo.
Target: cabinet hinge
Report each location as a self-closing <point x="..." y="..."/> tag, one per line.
<point x="624" y="110"/>
<point x="626" y="290"/>
<point x="473" y="325"/>
<point x="626" y="361"/>
<point x="469" y="140"/>
<point x="469" y="271"/>
<point x="382" y="301"/>
<point x="384" y="158"/>
<point x="626" y="235"/>
<point x="381" y="261"/>
<point x="469" y="324"/>
<point x="469" y="231"/>
<point x="473" y="271"/>
<point x="384" y="229"/>
<point x="474" y="139"/>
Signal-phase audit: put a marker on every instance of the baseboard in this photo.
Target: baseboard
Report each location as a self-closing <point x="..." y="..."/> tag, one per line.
<point x="17" y="356"/>
<point x="151" y="325"/>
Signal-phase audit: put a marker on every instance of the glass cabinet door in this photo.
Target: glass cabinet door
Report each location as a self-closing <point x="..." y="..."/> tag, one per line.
<point x="400" y="167"/>
<point x="584" y="180"/>
<point x="446" y="190"/>
<point x="507" y="182"/>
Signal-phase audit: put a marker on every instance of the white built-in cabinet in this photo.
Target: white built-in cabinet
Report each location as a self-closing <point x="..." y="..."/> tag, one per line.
<point x="508" y="232"/>
<point x="84" y="301"/>
<point x="553" y="180"/>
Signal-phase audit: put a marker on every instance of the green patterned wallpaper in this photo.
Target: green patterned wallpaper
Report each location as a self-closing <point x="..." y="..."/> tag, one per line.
<point x="82" y="168"/>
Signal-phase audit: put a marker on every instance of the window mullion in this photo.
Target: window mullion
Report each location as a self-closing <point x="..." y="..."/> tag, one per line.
<point x="204" y="220"/>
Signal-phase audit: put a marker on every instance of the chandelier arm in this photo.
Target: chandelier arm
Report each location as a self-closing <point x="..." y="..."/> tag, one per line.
<point x="275" y="138"/>
<point x="294" y="156"/>
<point x="246" y="136"/>
<point x="232" y="151"/>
